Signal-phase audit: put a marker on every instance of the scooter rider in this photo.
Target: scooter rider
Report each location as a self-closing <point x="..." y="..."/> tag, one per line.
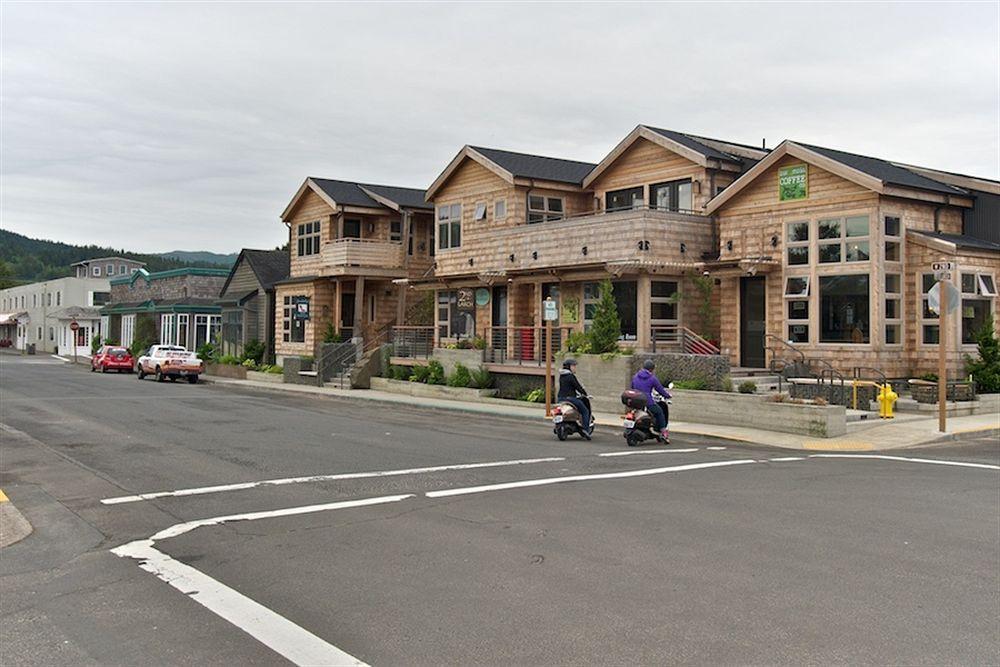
<point x="571" y="391"/>
<point x="646" y="382"/>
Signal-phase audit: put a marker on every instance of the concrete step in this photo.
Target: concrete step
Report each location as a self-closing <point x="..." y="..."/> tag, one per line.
<point x="310" y="374"/>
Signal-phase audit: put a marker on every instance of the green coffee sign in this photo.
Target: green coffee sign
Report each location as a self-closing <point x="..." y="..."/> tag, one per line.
<point x="793" y="182"/>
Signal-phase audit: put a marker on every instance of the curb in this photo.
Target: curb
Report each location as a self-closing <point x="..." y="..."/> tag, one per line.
<point x="964" y="436"/>
<point x="13" y="526"/>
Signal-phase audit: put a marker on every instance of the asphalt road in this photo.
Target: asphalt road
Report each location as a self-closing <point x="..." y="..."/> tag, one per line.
<point x="766" y="556"/>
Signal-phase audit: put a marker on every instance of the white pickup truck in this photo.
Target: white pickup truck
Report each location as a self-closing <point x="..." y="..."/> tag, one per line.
<point x="170" y="361"/>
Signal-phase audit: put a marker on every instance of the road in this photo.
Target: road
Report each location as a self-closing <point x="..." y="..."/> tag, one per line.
<point x="704" y="552"/>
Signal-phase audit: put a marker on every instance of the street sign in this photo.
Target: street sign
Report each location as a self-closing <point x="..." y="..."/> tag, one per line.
<point x="551" y="312"/>
<point x="934" y="298"/>
<point x="74" y="325"/>
<point x="943" y="266"/>
<point x="942" y="275"/>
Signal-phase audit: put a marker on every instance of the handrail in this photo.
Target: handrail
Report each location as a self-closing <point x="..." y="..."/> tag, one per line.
<point x="859" y="376"/>
<point x="351" y="239"/>
<point x="686" y="340"/>
<point x="695" y="344"/>
<point x="785" y="345"/>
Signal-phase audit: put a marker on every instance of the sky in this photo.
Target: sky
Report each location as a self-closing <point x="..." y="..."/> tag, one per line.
<point x="163" y="126"/>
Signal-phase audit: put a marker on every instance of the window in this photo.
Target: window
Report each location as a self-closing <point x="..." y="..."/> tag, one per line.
<point x="663" y="302"/>
<point x="168" y="334"/>
<point x="396" y="231"/>
<point x="672" y="196"/>
<point x="626" y="299"/>
<point x="409" y="238"/>
<point x="58" y="298"/>
<point x="206" y="329"/>
<point x="292" y="330"/>
<point x="34" y="301"/>
<point x="52" y="334"/>
<point x="182" y="329"/>
<point x="797" y="242"/>
<point x="449" y="225"/>
<point x="893" y="240"/>
<point x="893" y="309"/>
<point x="371" y="307"/>
<point x="96" y="271"/>
<point x="500" y="209"/>
<point x="977" y="304"/>
<point x="844" y="312"/>
<point x="100" y="298"/>
<point x="844" y="240"/>
<point x="624" y="200"/>
<point x="109" y="270"/>
<point x="544" y="209"/>
<point x="452" y="322"/>
<point x="480" y="211"/>
<point x="122" y="269"/>
<point x="308" y="238"/>
<point x="798" y="320"/>
<point x="39" y="336"/>
<point x="352" y="228"/>
<point x="797" y="286"/>
<point x="48" y="299"/>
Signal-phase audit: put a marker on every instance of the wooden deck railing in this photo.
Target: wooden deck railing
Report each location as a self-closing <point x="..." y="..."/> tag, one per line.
<point x="363" y="252"/>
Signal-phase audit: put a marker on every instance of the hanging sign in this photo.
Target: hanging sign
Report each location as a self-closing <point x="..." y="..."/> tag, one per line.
<point x="793" y="182"/>
<point x="482" y="296"/>
<point x="300" y="311"/>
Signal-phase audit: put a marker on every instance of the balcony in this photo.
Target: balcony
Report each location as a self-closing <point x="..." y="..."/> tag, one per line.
<point x="634" y="237"/>
<point x="346" y="256"/>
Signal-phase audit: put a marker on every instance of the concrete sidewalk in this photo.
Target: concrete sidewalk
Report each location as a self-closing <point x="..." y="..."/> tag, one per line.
<point x="13" y="526"/>
<point x="906" y="431"/>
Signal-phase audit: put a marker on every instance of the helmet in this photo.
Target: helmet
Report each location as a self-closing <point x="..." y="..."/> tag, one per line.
<point x="567" y="363"/>
<point x="649" y="364"/>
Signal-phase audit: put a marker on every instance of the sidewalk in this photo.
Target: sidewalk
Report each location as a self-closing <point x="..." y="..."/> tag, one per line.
<point x="13" y="526"/>
<point x="907" y="431"/>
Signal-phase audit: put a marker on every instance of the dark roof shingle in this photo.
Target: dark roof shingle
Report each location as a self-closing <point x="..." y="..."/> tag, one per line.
<point x="537" y="166"/>
<point x="345" y="193"/>
<point x="407" y="197"/>
<point x="689" y="141"/>
<point x="884" y="170"/>
<point x="269" y="266"/>
<point x="962" y="240"/>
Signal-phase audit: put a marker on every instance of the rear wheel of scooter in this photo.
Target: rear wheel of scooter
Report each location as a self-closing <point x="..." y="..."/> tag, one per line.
<point x="561" y="432"/>
<point x="634" y="439"/>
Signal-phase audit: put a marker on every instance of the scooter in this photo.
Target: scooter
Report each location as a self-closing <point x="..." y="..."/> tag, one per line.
<point x="638" y="422"/>
<point x="567" y="420"/>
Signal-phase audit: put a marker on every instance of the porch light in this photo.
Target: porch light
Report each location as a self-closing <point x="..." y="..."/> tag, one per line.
<point x="511" y="257"/>
<point x="684" y="248"/>
<point x="471" y="261"/>
<point x="729" y="245"/>
<point x="774" y="241"/>
<point x="584" y="250"/>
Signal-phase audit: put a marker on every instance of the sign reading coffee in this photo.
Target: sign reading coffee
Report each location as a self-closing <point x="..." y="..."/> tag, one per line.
<point x="793" y="182"/>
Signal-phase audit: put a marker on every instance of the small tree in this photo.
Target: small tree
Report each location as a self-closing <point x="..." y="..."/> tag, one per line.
<point x="985" y="370"/>
<point x="145" y="333"/>
<point x="606" y="329"/>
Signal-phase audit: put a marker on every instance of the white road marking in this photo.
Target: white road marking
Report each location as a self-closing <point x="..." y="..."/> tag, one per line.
<point x="276" y="632"/>
<point x="884" y="457"/>
<point x="582" y="478"/>
<point x="787" y="458"/>
<point x="320" y="478"/>
<point x="650" y="451"/>
<point x="56" y="356"/>
<point x="715" y="449"/>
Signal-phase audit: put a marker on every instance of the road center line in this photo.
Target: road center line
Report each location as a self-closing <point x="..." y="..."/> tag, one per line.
<point x="321" y="478"/>
<point x="271" y="629"/>
<point x="582" y="478"/>
<point x="650" y="451"/>
<point x="885" y="457"/>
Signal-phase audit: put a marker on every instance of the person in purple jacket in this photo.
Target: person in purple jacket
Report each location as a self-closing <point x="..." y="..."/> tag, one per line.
<point x="646" y="382"/>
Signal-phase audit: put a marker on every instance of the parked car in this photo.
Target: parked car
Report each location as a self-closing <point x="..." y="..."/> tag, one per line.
<point x="170" y="361"/>
<point x="112" y="358"/>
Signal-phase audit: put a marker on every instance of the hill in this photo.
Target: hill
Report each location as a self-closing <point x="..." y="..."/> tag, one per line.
<point x="26" y="260"/>
<point x="202" y="256"/>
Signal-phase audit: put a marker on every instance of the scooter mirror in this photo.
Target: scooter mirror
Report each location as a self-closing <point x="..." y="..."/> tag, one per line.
<point x="670" y="386"/>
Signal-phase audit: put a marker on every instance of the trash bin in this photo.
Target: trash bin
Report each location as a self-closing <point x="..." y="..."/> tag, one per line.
<point x="31" y="348"/>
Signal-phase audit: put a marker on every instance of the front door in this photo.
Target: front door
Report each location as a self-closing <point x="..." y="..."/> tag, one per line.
<point x="347" y="315"/>
<point x="753" y="322"/>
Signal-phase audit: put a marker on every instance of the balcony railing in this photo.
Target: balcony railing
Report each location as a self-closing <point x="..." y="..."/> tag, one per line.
<point x="675" y="338"/>
<point x="523" y="346"/>
<point x="412" y="342"/>
<point x="363" y="252"/>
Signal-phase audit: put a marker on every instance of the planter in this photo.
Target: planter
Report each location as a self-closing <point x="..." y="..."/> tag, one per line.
<point x="928" y="392"/>
<point x="471" y="359"/>
<point x="431" y="390"/>
<point x="732" y="409"/>
<point x="226" y="371"/>
<point x="265" y="377"/>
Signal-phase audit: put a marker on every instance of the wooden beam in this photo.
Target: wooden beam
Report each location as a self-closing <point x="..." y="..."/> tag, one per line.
<point x="359" y="304"/>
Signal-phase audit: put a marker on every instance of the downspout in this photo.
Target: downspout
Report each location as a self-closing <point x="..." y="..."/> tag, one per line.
<point x="937" y="219"/>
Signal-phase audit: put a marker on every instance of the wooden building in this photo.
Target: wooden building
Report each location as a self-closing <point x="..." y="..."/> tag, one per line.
<point x="348" y="243"/>
<point x="248" y="300"/>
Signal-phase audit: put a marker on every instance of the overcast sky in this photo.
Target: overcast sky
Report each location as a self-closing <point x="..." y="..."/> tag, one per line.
<point x="165" y="126"/>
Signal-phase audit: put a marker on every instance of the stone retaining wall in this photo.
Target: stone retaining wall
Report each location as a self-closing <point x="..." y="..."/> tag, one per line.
<point x="673" y="367"/>
<point x="431" y="390"/>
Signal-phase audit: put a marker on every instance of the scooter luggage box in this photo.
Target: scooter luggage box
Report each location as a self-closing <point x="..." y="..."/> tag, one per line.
<point x="634" y="399"/>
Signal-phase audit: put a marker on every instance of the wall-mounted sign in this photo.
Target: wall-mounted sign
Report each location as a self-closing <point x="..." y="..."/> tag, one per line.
<point x="793" y="182"/>
<point x="550" y="310"/>
<point x="300" y="310"/>
<point x="570" y="310"/>
<point x="482" y="296"/>
<point x="466" y="299"/>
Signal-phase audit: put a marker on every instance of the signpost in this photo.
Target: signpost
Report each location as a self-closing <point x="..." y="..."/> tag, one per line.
<point x="942" y="274"/>
<point x="74" y="326"/>
<point x="550" y="313"/>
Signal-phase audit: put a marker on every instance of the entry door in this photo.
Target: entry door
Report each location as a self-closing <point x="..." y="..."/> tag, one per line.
<point x="347" y="314"/>
<point x="753" y="322"/>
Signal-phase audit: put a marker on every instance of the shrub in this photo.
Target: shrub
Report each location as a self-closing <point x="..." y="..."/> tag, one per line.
<point x="698" y="384"/>
<point x="481" y="378"/>
<point x="819" y="400"/>
<point x="276" y="369"/>
<point x="331" y="336"/>
<point x="627" y="351"/>
<point x="748" y="387"/>
<point x="227" y="359"/>
<point x="254" y="350"/>
<point x="207" y="353"/>
<point x="727" y="383"/>
<point x="479" y="343"/>
<point x="249" y="364"/>
<point x="435" y="372"/>
<point x="95" y="343"/>
<point x="777" y="398"/>
<point x="534" y="396"/>
<point x="929" y="377"/>
<point x="606" y="329"/>
<point x="419" y="374"/>
<point x="578" y="342"/>
<point x="145" y="334"/>
<point x="985" y="371"/>
<point x="399" y="373"/>
<point x="460" y="378"/>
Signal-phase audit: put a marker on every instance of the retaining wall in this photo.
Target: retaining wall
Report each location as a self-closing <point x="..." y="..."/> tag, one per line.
<point x="732" y="409"/>
<point x="431" y="390"/>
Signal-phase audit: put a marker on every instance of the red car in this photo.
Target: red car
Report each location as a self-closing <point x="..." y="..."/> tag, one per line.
<point x="112" y="358"/>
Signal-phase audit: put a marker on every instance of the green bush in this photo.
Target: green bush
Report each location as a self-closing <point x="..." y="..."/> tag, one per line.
<point x="276" y="369"/>
<point x="95" y="343"/>
<point x="435" y="372"/>
<point x="929" y="377"/>
<point x="578" y="342"/>
<point x="207" y="353"/>
<point x="254" y="350"/>
<point x="748" y="387"/>
<point x="227" y="359"/>
<point x="698" y="384"/>
<point x="331" y="336"/>
<point x="479" y="343"/>
<point x="985" y="370"/>
<point x="727" y="383"/>
<point x="481" y="378"/>
<point x="145" y="334"/>
<point x="625" y="350"/>
<point x="249" y="364"/>
<point x="419" y="374"/>
<point x="460" y="378"/>
<point x="399" y="373"/>
<point x="606" y="329"/>
<point x="534" y="396"/>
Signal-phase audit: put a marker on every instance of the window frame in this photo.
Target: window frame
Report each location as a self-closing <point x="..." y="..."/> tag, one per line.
<point x="396" y="231"/>
<point x="805" y="294"/>
<point x="790" y="244"/>
<point x="898" y="298"/>
<point x="674" y="190"/>
<point x="672" y="300"/>
<point x="843" y="240"/>
<point x="894" y="239"/>
<point x="500" y="209"/>
<point x="923" y="320"/>
<point x="547" y="214"/>
<point x="480" y="212"/>
<point x="307" y="235"/>
<point x="109" y="269"/>
<point x="981" y="293"/>
<point x="820" y="312"/>
<point x="447" y="225"/>
<point x="636" y="203"/>
<point x="288" y="323"/>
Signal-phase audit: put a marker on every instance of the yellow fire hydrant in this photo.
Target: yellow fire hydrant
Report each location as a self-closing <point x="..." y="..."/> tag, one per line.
<point x="886" y="400"/>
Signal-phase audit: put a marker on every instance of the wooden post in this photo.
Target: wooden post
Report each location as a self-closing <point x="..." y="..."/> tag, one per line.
<point x="548" y="368"/>
<point x="942" y="357"/>
<point x="359" y="306"/>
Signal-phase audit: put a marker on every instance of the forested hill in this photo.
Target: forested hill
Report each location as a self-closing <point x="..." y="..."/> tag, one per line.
<point x="25" y="260"/>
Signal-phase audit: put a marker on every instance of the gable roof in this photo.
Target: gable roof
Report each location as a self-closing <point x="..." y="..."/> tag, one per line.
<point x="960" y="241"/>
<point x="873" y="173"/>
<point x="269" y="266"/>
<point x="351" y="193"/>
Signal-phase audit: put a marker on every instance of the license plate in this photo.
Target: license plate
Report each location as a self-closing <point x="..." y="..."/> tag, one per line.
<point x="557" y="419"/>
<point x="628" y="423"/>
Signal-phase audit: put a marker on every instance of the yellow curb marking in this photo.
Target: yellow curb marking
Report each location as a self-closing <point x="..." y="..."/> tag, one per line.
<point x="3" y="497"/>
<point x="844" y="446"/>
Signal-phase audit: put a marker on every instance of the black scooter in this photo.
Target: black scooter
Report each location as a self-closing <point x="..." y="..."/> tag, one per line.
<point x="638" y="423"/>
<point x="567" y="420"/>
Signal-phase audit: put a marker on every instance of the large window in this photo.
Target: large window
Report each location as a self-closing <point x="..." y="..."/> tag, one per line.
<point x="206" y="329"/>
<point x="449" y="224"/>
<point x="978" y="291"/>
<point x="452" y="322"/>
<point x="672" y="196"/>
<point x="128" y="329"/>
<point x="625" y="293"/>
<point x="893" y="309"/>
<point x="663" y="303"/>
<point x="352" y="228"/>
<point x="892" y="227"/>
<point x="308" y="237"/>
<point x="544" y="209"/>
<point x="797" y="243"/>
<point x="182" y="329"/>
<point x="168" y="334"/>
<point x="844" y="240"/>
<point x="396" y="231"/>
<point x="293" y="330"/>
<point x="844" y="311"/>
<point x="624" y="200"/>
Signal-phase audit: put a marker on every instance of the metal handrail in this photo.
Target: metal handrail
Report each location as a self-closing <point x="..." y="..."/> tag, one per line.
<point x="785" y="345"/>
<point x="685" y="339"/>
<point x="859" y="370"/>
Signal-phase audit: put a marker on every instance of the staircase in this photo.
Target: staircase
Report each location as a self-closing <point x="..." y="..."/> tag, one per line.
<point x="765" y="379"/>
